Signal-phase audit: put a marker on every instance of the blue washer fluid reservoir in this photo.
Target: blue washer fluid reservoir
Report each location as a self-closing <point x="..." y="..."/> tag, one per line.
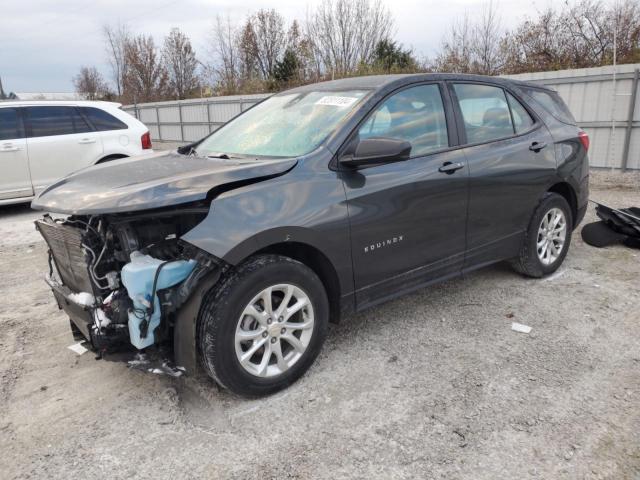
<point x="137" y="276"/>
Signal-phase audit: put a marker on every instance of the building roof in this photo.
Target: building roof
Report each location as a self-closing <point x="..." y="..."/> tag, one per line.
<point x="86" y="103"/>
<point x="45" y="96"/>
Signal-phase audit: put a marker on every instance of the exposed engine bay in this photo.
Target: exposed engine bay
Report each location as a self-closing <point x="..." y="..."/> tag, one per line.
<point x="123" y="278"/>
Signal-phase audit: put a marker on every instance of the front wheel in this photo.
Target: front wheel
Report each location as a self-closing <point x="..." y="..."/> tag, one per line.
<point x="547" y="239"/>
<point x="263" y="326"/>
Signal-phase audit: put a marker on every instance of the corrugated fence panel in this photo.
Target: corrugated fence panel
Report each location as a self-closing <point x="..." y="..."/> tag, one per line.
<point x="194" y="113"/>
<point x="147" y="115"/>
<point x="634" y="150"/>
<point x="195" y="132"/>
<point x="189" y="120"/>
<point x="169" y="114"/>
<point x="221" y="112"/>
<point x="171" y="133"/>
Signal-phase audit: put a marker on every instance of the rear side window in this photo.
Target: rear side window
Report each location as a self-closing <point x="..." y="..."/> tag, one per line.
<point x="416" y="115"/>
<point x="10" y="124"/>
<point x="552" y="103"/>
<point x="485" y="112"/>
<point x="55" y="120"/>
<point x="102" y="120"/>
<point x="522" y="121"/>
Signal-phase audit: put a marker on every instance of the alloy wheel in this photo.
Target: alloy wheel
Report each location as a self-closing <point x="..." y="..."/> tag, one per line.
<point x="274" y="330"/>
<point x="552" y="235"/>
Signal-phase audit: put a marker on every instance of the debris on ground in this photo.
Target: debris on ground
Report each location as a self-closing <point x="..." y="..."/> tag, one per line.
<point x="616" y="226"/>
<point x="78" y="348"/>
<point x="518" y="327"/>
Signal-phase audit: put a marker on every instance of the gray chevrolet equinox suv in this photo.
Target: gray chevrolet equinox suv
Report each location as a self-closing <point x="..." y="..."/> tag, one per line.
<point x="235" y="252"/>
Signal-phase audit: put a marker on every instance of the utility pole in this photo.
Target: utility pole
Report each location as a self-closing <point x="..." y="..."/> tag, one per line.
<point x="3" y="96"/>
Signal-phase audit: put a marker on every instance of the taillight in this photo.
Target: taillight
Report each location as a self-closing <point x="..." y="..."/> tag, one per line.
<point x="146" y="141"/>
<point x="584" y="139"/>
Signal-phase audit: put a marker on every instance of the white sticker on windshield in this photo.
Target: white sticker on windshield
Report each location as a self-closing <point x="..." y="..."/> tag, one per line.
<point x="337" y="101"/>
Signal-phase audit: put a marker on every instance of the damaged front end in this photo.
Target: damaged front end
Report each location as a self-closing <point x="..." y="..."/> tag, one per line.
<point x="127" y="281"/>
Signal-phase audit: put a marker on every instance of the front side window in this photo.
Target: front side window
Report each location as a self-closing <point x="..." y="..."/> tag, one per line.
<point x="415" y="115"/>
<point x="285" y="125"/>
<point x="49" y="121"/>
<point x="10" y="124"/>
<point x="485" y="112"/>
<point x="103" y="121"/>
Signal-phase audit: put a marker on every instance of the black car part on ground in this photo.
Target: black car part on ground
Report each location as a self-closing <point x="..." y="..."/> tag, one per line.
<point x="617" y="226"/>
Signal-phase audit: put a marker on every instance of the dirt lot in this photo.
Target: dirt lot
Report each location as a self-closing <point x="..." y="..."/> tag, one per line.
<point x="434" y="385"/>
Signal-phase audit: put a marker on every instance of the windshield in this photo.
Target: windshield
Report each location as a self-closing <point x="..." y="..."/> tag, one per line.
<point x="286" y="125"/>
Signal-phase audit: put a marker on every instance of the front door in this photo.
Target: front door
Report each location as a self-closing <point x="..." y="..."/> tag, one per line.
<point x="15" y="181"/>
<point x="407" y="218"/>
<point x="511" y="158"/>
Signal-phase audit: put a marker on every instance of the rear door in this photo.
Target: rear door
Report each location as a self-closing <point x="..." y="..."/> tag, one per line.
<point x="511" y="159"/>
<point x="60" y="142"/>
<point x="408" y="218"/>
<point x="15" y="180"/>
<point x="112" y="132"/>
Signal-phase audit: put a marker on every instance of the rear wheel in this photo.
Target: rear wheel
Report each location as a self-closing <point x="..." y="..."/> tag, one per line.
<point x="547" y="239"/>
<point x="262" y="327"/>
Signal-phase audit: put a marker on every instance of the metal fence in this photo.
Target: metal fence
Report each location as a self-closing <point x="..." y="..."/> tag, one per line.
<point x="604" y="102"/>
<point x="183" y="121"/>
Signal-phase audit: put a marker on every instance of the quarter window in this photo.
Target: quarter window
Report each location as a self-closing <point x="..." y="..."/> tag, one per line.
<point x="552" y="102"/>
<point x="55" y="120"/>
<point x="485" y="112"/>
<point x="415" y="115"/>
<point x="102" y="120"/>
<point x="522" y="121"/>
<point x="10" y="124"/>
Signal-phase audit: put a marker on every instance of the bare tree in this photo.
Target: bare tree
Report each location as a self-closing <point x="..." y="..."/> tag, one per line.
<point x="146" y="78"/>
<point x="116" y="39"/>
<point x="456" y="54"/>
<point x="344" y="33"/>
<point x="90" y="84"/>
<point x="224" y="67"/>
<point x="181" y="63"/>
<point x="473" y="47"/>
<point x="248" y="50"/>
<point x="487" y="35"/>
<point x="581" y="35"/>
<point x="269" y="39"/>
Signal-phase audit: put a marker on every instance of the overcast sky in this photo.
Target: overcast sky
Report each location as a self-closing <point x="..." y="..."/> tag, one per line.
<point x="43" y="43"/>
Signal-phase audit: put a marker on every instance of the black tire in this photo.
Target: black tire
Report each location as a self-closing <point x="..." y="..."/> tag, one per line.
<point x="527" y="262"/>
<point x="221" y="311"/>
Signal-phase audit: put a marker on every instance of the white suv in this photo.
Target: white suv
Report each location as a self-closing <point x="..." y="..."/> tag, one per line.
<point x="42" y="141"/>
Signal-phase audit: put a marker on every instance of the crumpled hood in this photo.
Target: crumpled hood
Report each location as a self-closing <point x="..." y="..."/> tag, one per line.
<point x="153" y="181"/>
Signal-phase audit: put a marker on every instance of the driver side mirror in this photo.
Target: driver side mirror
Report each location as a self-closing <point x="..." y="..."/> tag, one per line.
<point x="377" y="150"/>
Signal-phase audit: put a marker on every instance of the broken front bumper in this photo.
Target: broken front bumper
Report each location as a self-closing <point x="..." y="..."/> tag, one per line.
<point x="81" y="317"/>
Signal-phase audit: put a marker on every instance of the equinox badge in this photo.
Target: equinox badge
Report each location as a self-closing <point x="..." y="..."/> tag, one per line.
<point x="384" y="243"/>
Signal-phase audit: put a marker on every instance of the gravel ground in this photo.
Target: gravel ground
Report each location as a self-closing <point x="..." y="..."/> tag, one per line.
<point x="434" y="385"/>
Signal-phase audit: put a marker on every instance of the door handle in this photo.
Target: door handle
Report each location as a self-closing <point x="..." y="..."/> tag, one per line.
<point x="537" y="146"/>
<point x="87" y="140"/>
<point x="8" y="147"/>
<point x="449" y="167"/>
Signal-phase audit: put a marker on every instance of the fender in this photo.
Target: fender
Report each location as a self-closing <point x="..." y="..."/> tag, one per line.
<point x="245" y="220"/>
